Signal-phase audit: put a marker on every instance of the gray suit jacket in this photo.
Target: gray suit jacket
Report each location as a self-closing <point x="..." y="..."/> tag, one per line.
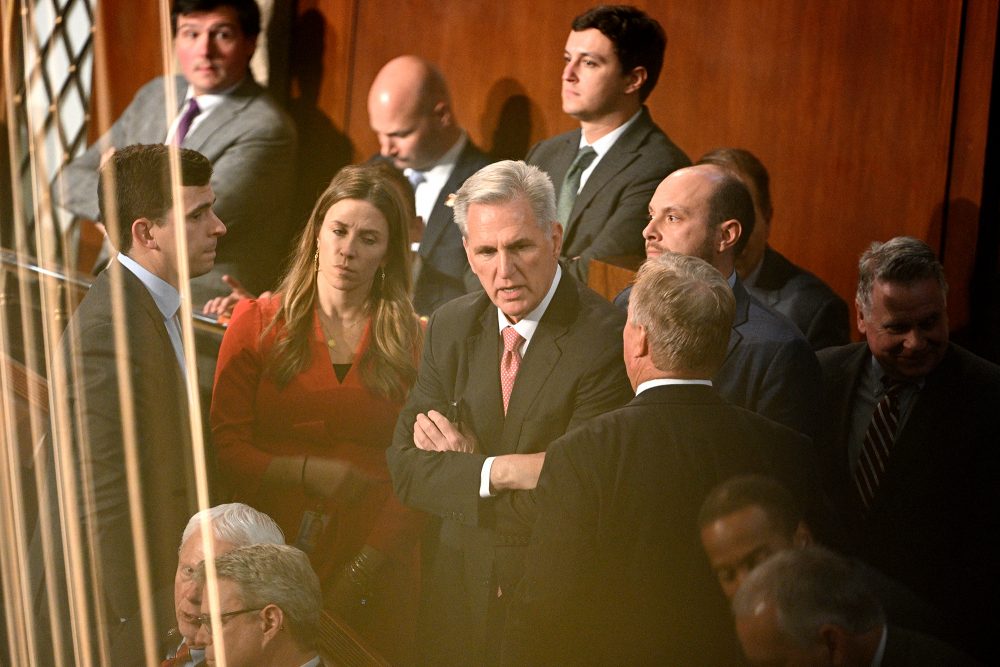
<point x="611" y="210"/>
<point x="444" y="269"/>
<point x="251" y="144"/>
<point x="572" y="371"/>
<point x="803" y="298"/>
<point x="162" y="430"/>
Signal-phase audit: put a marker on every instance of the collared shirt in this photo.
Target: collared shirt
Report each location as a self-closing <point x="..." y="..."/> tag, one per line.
<point x="428" y="191"/>
<point x="206" y="103"/>
<point x="166" y="298"/>
<point x="603" y="145"/>
<point x="751" y="280"/>
<point x="880" y="653"/>
<point x="526" y="327"/>
<point x="869" y="393"/>
<point x="662" y="382"/>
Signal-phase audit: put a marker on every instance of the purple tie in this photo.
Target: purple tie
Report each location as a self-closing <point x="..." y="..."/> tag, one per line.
<point x="185" y="124"/>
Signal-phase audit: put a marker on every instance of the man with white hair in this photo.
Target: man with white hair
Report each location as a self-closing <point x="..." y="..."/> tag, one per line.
<point x="233" y="525"/>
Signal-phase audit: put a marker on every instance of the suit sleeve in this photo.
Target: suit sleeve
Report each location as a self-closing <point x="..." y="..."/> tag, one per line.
<point x="550" y="619"/>
<point x="790" y="389"/>
<point x="76" y="189"/>
<point x="442" y="483"/>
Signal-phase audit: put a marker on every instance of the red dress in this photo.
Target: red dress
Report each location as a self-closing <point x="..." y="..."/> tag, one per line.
<point x="254" y="420"/>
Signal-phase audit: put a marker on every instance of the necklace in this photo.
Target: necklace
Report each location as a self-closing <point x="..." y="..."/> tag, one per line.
<point x="331" y="340"/>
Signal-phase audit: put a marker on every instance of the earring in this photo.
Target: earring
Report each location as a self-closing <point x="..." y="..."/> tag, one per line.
<point x="381" y="285"/>
<point x="316" y="259"/>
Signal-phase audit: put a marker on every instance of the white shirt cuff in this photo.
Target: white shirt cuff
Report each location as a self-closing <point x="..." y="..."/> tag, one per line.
<point x="484" y="478"/>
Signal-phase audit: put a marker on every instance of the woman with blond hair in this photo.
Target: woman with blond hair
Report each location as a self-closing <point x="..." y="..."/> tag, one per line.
<point x="307" y="388"/>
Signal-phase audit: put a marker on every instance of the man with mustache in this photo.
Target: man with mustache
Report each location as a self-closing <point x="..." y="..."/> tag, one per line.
<point x="227" y="117"/>
<point x="910" y="446"/>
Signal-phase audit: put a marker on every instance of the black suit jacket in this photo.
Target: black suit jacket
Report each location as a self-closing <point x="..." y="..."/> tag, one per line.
<point x="444" y="269"/>
<point x="769" y="367"/>
<point x="803" y="298"/>
<point x="611" y="210"/>
<point x="572" y="371"/>
<point x="933" y="521"/>
<point x="163" y="443"/>
<point x="615" y="573"/>
<point x="906" y="648"/>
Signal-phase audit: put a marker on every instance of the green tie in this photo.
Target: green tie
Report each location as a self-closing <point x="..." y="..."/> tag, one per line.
<point x="571" y="184"/>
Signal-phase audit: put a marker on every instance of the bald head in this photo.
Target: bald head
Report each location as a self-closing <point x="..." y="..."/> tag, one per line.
<point x="409" y="109"/>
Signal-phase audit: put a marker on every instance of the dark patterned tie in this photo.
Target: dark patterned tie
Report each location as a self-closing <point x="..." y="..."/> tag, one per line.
<point x="185" y="123"/>
<point x="510" y="363"/>
<point x="879" y="436"/>
<point x="571" y="184"/>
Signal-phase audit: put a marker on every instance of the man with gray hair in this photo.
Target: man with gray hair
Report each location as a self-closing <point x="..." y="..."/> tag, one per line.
<point x="614" y="573"/>
<point x="269" y="608"/>
<point x="811" y="607"/>
<point x="503" y="373"/>
<point x="232" y="525"/>
<point x="911" y="456"/>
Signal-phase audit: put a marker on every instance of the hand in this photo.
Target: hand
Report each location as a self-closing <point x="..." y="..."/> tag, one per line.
<point x="333" y="479"/>
<point x="222" y="306"/>
<point x="512" y="472"/>
<point x="433" y="432"/>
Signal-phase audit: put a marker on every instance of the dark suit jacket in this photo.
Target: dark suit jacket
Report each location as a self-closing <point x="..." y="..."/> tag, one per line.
<point x="251" y="143"/>
<point x="611" y="210"/>
<point x="906" y="648"/>
<point x="615" y="574"/>
<point x="572" y="371"/>
<point x="444" y="268"/>
<point x="933" y="521"/>
<point x="769" y="367"/>
<point x="163" y="440"/>
<point x="803" y="298"/>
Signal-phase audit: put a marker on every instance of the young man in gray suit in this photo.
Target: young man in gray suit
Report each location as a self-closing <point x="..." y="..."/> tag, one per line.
<point x="250" y="142"/>
<point x="503" y="373"/>
<point x="128" y="322"/>
<point x="606" y="171"/>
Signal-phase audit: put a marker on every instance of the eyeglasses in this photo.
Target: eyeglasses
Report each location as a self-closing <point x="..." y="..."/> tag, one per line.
<point x="206" y="619"/>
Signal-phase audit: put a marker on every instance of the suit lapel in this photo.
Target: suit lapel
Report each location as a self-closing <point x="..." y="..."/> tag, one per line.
<point x="222" y="116"/>
<point x="564" y="158"/>
<point x="622" y="154"/>
<point x="740" y="316"/>
<point x="481" y="392"/>
<point x="441" y="215"/>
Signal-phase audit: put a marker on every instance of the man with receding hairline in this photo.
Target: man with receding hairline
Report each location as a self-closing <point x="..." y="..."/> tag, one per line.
<point x="410" y="111"/>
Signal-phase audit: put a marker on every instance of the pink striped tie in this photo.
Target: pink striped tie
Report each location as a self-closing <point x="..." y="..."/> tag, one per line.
<point x="510" y="363"/>
<point x="874" y="458"/>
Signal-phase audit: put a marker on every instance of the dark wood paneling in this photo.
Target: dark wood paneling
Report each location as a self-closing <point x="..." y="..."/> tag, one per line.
<point x="851" y="105"/>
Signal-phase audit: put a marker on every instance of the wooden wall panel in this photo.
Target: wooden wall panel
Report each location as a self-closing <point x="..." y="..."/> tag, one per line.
<point x="851" y="105"/>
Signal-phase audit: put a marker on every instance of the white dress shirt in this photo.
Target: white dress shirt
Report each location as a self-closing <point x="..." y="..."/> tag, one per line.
<point x="603" y="145"/>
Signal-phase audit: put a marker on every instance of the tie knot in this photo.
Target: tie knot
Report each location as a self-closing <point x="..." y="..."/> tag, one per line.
<point x="511" y="339"/>
<point x="416" y="178"/>
<point x="193" y="107"/>
<point x="891" y="386"/>
<point x="583" y="159"/>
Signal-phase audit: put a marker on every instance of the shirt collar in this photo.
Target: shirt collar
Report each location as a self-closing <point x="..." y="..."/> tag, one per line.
<point x="166" y="297"/>
<point x="443" y="167"/>
<point x="880" y="653"/>
<point x="209" y="101"/>
<point x="526" y="325"/>
<point x="732" y="280"/>
<point x="604" y="144"/>
<point x="751" y="279"/>
<point x="662" y="382"/>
